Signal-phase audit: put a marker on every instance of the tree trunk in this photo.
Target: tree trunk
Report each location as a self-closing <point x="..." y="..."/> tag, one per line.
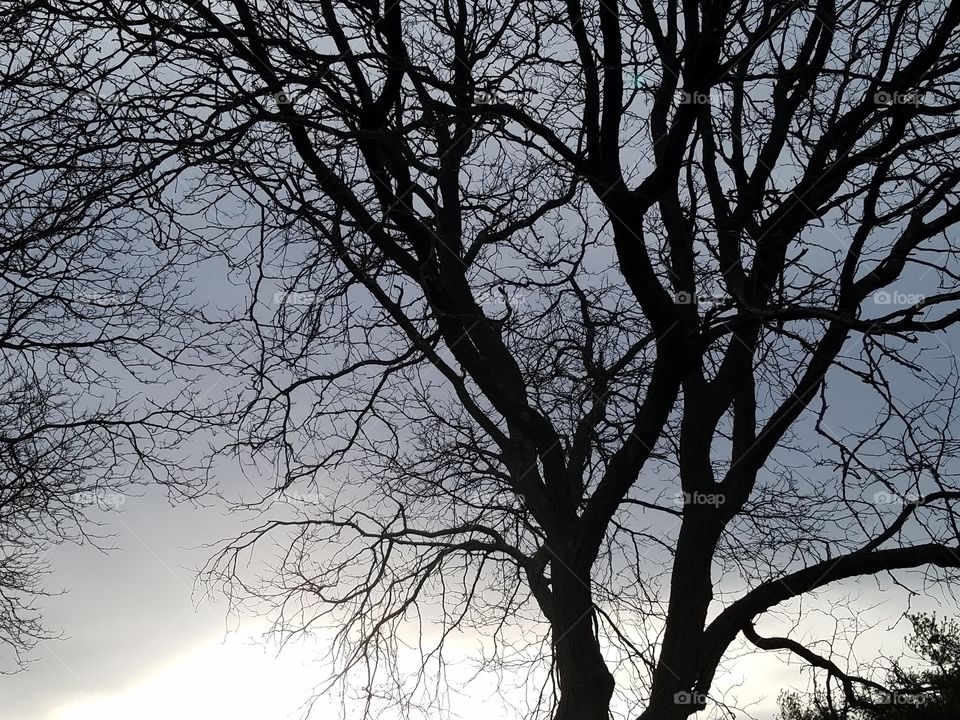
<point x="673" y="695"/>
<point x="586" y="684"/>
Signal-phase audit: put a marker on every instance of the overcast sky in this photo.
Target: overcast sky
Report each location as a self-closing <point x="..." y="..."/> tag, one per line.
<point x="140" y="640"/>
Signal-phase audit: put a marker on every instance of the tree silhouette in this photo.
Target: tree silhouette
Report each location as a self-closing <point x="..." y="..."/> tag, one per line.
<point x="596" y="329"/>
<point x="89" y="313"/>
<point x="928" y="692"/>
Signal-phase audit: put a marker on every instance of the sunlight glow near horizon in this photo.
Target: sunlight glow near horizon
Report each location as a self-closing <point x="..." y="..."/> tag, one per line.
<point x="236" y="679"/>
<point x="214" y="680"/>
<point x="239" y="680"/>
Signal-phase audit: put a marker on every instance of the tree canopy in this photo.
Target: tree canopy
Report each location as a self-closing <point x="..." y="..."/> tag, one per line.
<point x="597" y="330"/>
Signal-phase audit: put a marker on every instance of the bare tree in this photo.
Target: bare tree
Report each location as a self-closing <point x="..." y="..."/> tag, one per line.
<point x="90" y="310"/>
<point x="603" y="329"/>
